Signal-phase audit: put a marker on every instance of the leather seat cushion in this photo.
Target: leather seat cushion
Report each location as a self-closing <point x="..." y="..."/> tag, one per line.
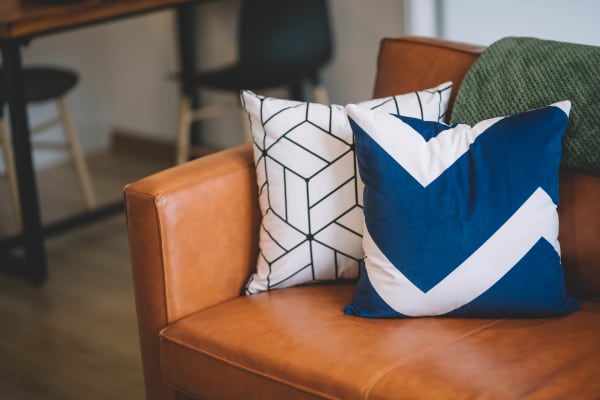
<point x="297" y="343"/>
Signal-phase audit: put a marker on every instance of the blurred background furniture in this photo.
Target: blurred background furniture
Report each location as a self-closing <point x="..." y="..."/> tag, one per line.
<point x="20" y="22"/>
<point x="10" y="174"/>
<point x="44" y="84"/>
<point x="280" y="44"/>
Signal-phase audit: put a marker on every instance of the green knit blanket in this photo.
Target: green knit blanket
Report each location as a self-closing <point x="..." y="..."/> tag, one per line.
<point x="517" y="74"/>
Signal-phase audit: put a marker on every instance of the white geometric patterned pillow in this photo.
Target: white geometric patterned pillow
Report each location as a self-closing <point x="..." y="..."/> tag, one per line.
<point x="309" y="195"/>
<point x="460" y="220"/>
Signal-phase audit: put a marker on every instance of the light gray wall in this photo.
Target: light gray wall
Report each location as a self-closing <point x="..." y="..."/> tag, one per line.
<point x="357" y="28"/>
<point x="87" y="52"/>
<point x="483" y="22"/>
<point x="124" y="67"/>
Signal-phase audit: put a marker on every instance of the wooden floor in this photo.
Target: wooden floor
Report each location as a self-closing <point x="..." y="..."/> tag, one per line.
<point x="76" y="337"/>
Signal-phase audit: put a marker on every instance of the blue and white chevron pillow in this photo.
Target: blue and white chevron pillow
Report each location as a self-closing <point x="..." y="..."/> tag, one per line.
<point x="460" y="220"/>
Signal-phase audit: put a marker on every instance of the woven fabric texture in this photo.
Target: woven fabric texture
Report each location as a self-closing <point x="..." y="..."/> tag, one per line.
<point x="516" y="74"/>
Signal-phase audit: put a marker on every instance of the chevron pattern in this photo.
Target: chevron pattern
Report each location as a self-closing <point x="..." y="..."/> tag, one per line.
<point x="309" y="194"/>
<point x="460" y="220"/>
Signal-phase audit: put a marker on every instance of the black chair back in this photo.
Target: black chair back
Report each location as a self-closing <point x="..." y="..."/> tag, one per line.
<point x="285" y="34"/>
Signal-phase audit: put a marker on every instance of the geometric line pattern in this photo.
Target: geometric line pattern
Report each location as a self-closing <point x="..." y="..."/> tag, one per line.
<point x="310" y="195"/>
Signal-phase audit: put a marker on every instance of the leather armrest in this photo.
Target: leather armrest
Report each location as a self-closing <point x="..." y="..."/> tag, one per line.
<point x="193" y="236"/>
<point x="193" y="231"/>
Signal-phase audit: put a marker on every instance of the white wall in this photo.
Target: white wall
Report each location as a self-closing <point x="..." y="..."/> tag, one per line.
<point x="124" y="67"/>
<point x="143" y="58"/>
<point x="88" y="53"/>
<point x="421" y="17"/>
<point x="357" y="28"/>
<point x="483" y="22"/>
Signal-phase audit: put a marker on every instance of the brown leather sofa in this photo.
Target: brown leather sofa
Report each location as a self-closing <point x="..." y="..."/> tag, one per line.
<point x="193" y="235"/>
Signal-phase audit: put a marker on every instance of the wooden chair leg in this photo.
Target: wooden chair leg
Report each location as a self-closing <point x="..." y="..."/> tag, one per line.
<point x="83" y="173"/>
<point x="320" y="94"/>
<point x="182" y="151"/>
<point x="246" y="126"/>
<point x="11" y="173"/>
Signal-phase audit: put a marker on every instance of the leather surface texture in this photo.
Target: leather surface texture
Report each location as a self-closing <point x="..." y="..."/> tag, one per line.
<point x="579" y="232"/>
<point x="410" y="64"/>
<point x="296" y="343"/>
<point x="193" y="233"/>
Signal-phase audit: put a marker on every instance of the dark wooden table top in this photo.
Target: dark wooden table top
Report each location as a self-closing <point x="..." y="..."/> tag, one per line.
<point x="25" y="18"/>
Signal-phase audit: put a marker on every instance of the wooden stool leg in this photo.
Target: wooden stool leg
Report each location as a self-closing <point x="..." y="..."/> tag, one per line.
<point x="320" y="94"/>
<point x="11" y="173"/>
<point x="81" y="167"/>
<point x="184" y="132"/>
<point x="246" y="126"/>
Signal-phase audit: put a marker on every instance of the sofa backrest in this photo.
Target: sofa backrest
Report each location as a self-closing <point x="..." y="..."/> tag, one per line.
<point x="411" y="63"/>
<point x="408" y="64"/>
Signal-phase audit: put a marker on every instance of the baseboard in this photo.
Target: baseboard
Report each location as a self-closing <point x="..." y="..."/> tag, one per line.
<point x="138" y="144"/>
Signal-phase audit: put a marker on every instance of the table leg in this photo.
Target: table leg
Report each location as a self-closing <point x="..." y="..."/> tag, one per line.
<point x="186" y="38"/>
<point x="35" y="268"/>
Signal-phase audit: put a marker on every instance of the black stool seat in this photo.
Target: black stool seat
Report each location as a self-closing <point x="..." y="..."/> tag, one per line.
<point x="43" y="83"/>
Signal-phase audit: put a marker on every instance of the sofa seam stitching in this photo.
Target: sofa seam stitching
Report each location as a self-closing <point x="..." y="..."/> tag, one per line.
<point x="251" y="370"/>
<point x="248" y="166"/>
<point x="475" y="52"/>
<point x="155" y="198"/>
<point x="385" y="371"/>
